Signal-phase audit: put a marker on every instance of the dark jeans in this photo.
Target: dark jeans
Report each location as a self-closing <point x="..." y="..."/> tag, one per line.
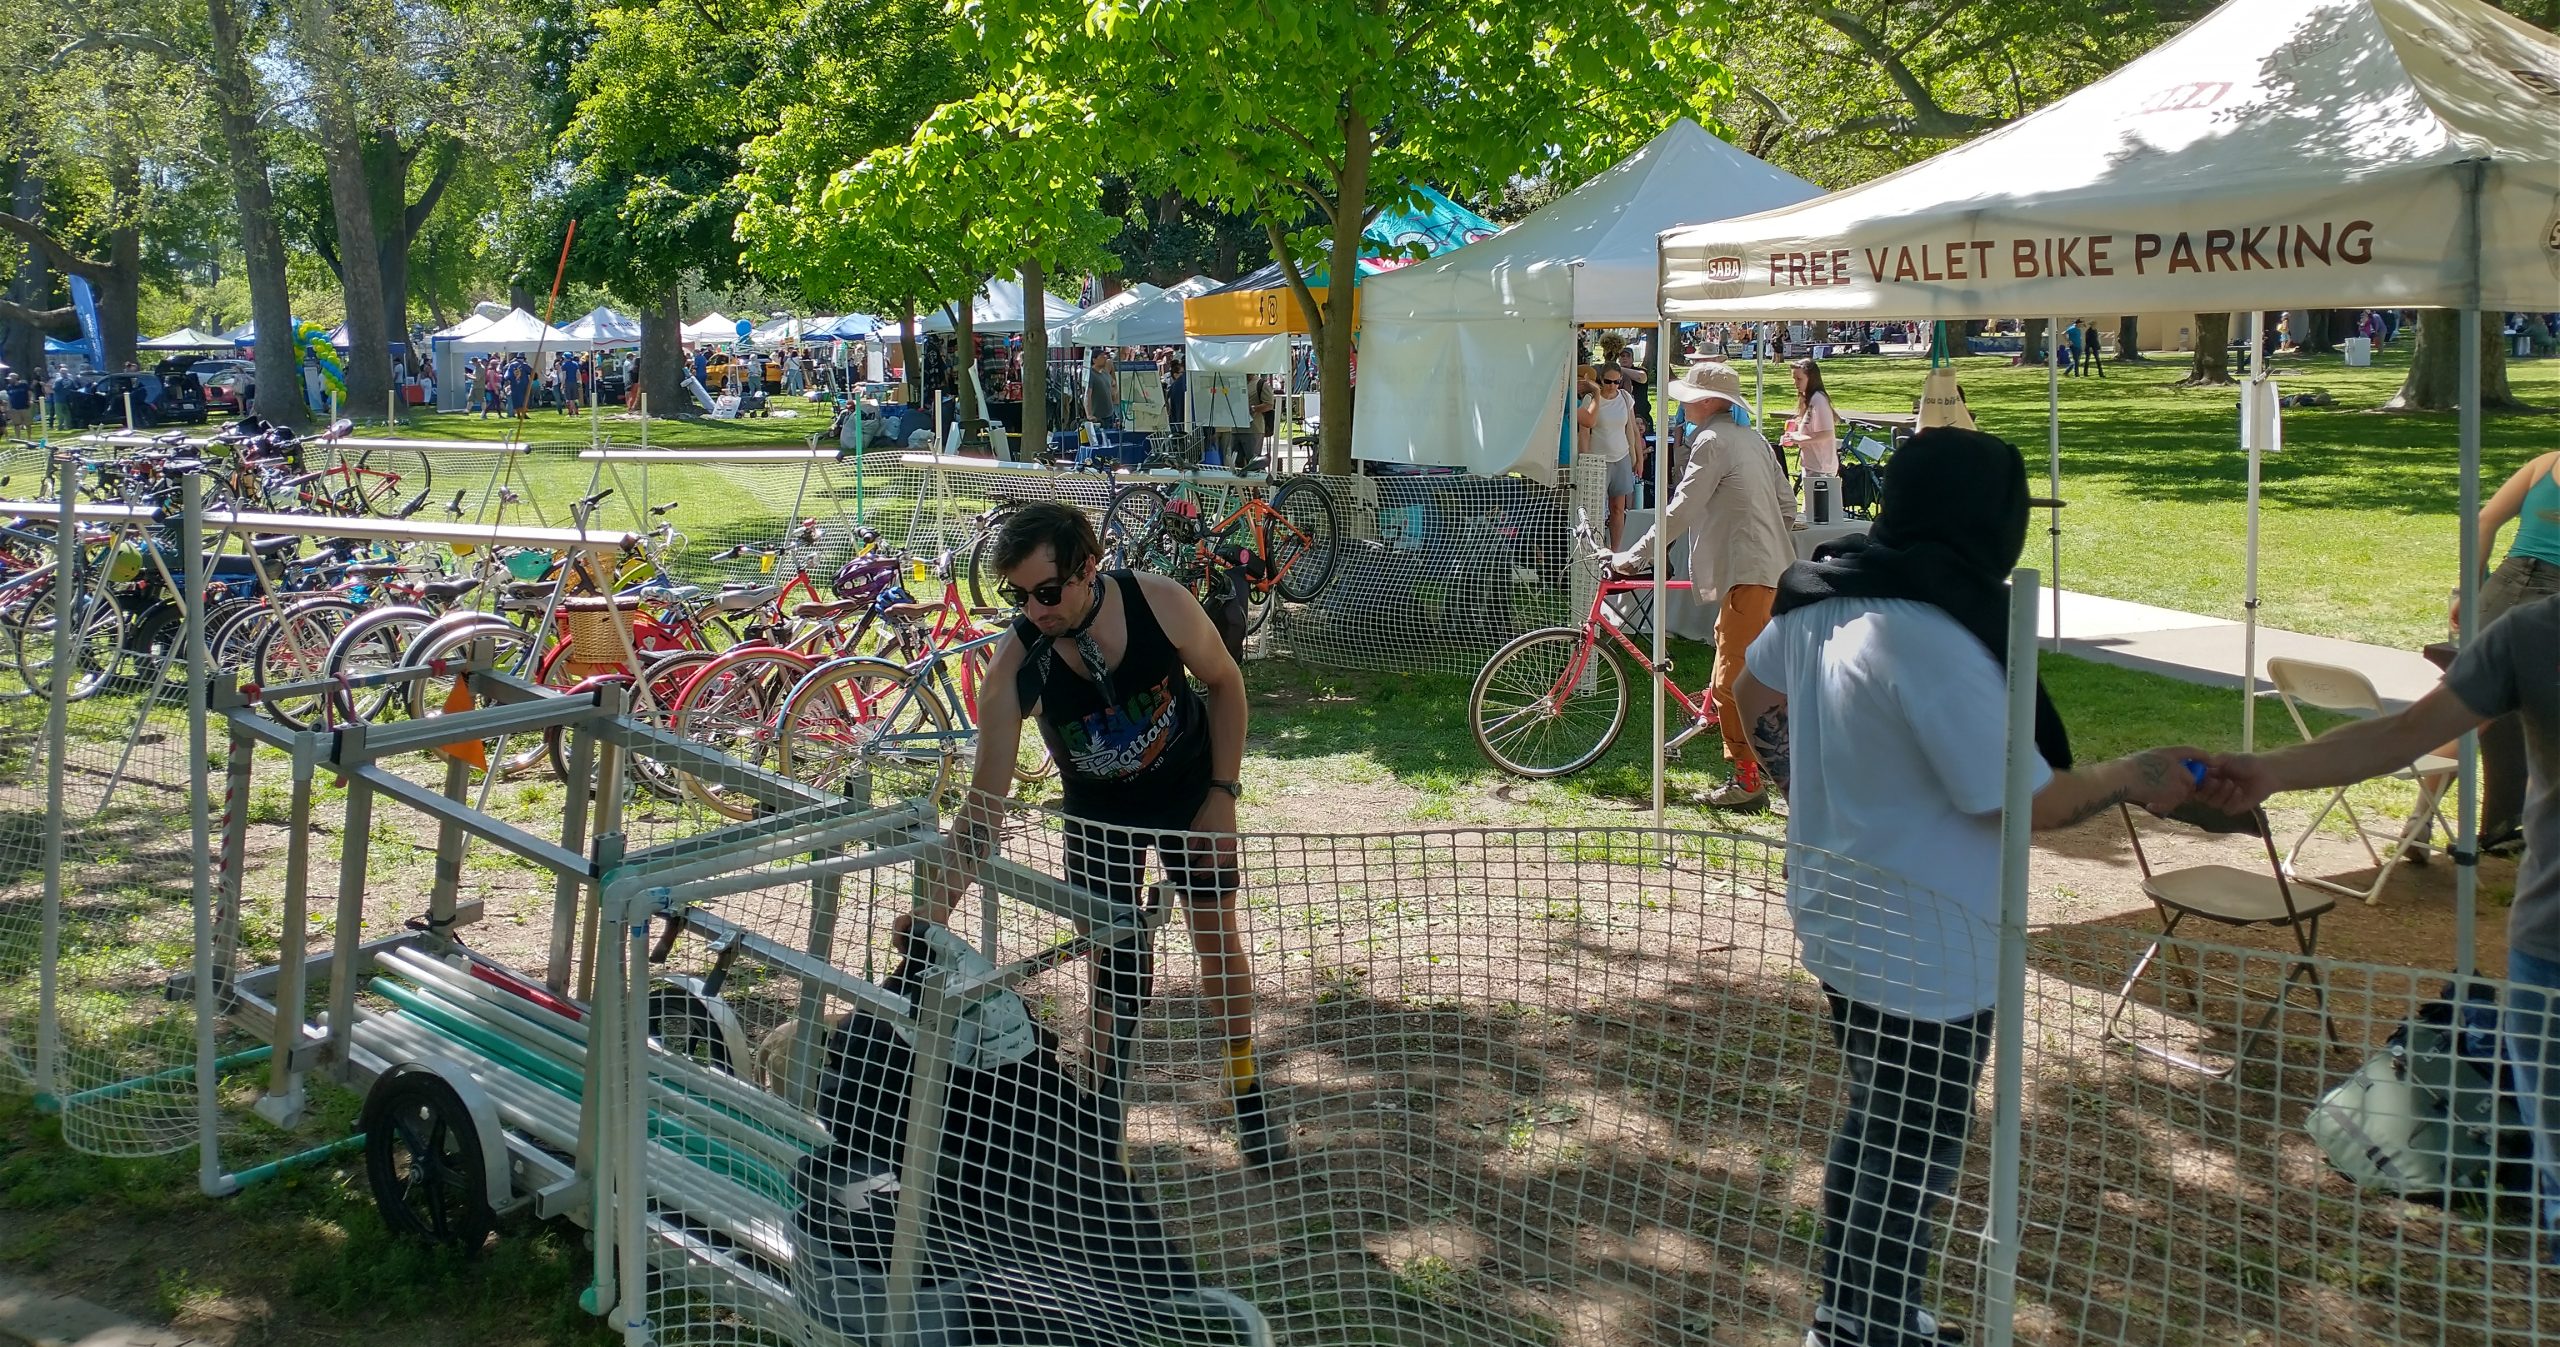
<point x="1893" y="1160"/>
<point x="2518" y="581"/>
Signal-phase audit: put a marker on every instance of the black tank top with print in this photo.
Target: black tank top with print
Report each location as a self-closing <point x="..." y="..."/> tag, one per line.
<point x="1141" y="758"/>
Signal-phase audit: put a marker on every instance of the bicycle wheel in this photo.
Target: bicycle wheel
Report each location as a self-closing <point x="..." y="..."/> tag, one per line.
<point x="733" y="705"/>
<point x="402" y="472"/>
<point x="97" y="630"/>
<point x="451" y="638"/>
<point x="860" y="716"/>
<point x="376" y="642"/>
<point x="1131" y="515"/>
<point x="1304" y="550"/>
<point x="980" y="573"/>
<point x="296" y="650"/>
<point x="1549" y="703"/>
<point x="666" y="682"/>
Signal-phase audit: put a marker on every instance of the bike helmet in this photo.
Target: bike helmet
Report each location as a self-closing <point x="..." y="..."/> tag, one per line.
<point x="864" y="579"/>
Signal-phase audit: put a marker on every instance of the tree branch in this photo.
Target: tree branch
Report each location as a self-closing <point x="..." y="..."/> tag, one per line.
<point x="61" y="322"/>
<point x="1929" y="118"/>
<point x="56" y="254"/>
<point x="415" y="217"/>
<point x="1297" y="279"/>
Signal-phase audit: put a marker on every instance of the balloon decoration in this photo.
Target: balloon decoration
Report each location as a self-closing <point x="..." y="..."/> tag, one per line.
<point x="313" y="340"/>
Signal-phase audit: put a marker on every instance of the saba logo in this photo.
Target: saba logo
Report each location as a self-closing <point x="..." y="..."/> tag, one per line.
<point x="1724" y="269"/>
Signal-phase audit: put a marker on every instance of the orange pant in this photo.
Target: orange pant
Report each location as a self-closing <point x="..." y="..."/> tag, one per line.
<point x="1738" y="622"/>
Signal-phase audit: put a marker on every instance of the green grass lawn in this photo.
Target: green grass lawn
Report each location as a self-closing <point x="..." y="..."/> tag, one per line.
<point x="2357" y="530"/>
<point x="2358" y="525"/>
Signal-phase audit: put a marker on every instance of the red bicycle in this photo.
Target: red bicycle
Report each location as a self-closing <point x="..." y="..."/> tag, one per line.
<point x="1552" y="701"/>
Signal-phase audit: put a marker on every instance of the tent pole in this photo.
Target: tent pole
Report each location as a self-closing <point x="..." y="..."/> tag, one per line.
<point x="2466" y="843"/>
<point x="2252" y="421"/>
<point x="1759" y="373"/>
<point x="2053" y="465"/>
<point x="1661" y="548"/>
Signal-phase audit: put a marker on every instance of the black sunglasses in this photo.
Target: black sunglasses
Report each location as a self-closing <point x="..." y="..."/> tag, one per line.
<point x="1048" y="592"/>
<point x="1613" y="383"/>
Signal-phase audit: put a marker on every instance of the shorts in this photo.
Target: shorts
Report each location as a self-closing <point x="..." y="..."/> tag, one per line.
<point x="21" y="417"/>
<point x="1110" y="861"/>
<point x="1622" y="477"/>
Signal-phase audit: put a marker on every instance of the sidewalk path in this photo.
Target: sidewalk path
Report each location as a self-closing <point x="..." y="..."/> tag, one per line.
<point x="2199" y="649"/>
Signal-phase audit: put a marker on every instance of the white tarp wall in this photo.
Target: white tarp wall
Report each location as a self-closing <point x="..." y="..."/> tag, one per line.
<point x="2278" y="154"/>
<point x="1474" y="343"/>
<point x="998" y="310"/>
<point x="1444" y="383"/>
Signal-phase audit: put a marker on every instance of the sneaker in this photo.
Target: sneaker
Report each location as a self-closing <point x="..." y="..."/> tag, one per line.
<point x="1260" y="1136"/>
<point x="1925" y="1331"/>
<point x="1735" y="797"/>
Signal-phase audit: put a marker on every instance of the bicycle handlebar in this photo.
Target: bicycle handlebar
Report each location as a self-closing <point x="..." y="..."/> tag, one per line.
<point x="663" y="509"/>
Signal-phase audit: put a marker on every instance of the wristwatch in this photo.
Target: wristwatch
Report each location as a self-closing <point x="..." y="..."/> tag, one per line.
<point x="1234" y="788"/>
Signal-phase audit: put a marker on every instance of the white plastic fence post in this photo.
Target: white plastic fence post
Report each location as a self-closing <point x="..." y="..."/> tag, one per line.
<point x="209" y="1175"/>
<point x="57" y="733"/>
<point x="2253" y="421"/>
<point x="2053" y="460"/>
<point x="2000" y="1275"/>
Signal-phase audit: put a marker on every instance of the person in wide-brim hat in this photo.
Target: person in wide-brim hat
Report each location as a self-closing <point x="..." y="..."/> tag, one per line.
<point x="1732" y="506"/>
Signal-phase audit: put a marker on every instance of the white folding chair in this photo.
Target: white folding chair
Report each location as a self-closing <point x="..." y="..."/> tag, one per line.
<point x="2301" y="683"/>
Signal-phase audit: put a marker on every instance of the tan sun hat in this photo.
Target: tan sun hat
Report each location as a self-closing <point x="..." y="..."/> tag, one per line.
<point x="1707" y="379"/>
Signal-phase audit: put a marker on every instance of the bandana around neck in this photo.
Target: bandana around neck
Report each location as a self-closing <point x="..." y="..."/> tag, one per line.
<point x="1089" y="649"/>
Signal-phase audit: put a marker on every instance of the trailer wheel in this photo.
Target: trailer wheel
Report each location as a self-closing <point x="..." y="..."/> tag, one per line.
<point x="690" y="1023"/>
<point x="423" y="1159"/>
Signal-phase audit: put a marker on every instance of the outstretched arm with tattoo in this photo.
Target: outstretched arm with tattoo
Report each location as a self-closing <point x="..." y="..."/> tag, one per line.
<point x="2156" y="779"/>
<point x="1764" y="711"/>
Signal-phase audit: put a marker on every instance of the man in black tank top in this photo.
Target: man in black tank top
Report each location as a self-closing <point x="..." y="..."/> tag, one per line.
<point x="1106" y="662"/>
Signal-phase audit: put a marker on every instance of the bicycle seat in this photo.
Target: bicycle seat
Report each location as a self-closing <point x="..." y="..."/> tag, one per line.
<point x="446" y="591"/>
<point x="908" y="612"/>
<point x="274" y="543"/>
<point x="746" y="599"/>
<point x="838" y="608"/>
<point x="679" y="593"/>
<point x="374" y="570"/>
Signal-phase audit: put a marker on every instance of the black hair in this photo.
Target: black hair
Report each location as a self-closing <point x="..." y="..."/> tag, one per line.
<point x="1060" y="527"/>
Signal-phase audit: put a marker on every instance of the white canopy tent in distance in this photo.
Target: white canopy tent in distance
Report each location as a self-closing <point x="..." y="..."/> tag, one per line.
<point x="2277" y="154"/>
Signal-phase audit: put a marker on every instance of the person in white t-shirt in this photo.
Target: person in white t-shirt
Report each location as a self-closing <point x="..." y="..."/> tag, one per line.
<point x="1877" y="701"/>
<point x="1617" y="439"/>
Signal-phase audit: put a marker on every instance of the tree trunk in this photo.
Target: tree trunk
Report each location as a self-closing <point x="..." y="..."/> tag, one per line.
<point x="22" y="342"/>
<point x="910" y="365"/>
<point x="278" y="375"/>
<point x="964" y="359"/>
<point x="2317" y="333"/>
<point x="120" y="293"/>
<point x="1342" y="272"/>
<point x="368" y="362"/>
<point x="662" y="354"/>
<point x="2129" y="340"/>
<point x="2031" y="341"/>
<point x="2212" y="363"/>
<point x="520" y="297"/>
<point x="1035" y="362"/>
<point x="2435" y="366"/>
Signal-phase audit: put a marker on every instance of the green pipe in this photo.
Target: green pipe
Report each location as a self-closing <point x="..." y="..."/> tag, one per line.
<point x="709" y="1152"/>
<point x="48" y="1104"/>
<point x="272" y="1168"/>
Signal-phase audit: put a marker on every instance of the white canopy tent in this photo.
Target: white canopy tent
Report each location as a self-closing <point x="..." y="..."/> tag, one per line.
<point x="714" y="326"/>
<point x="604" y="328"/>
<point x="1478" y="343"/>
<point x="185" y="339"/>
<point x="2276" y="154"/>
<point x="1158" y="321"/>
<point x="518" y="331"/>
<point x="1100" y="325"/>
<point x="998" y="310"/>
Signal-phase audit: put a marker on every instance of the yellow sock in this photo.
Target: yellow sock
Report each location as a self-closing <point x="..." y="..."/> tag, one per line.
<point x="1242" y="1076"/>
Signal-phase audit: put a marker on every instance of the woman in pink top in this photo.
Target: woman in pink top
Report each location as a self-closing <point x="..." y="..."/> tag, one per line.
<point x="1815" y="431"/>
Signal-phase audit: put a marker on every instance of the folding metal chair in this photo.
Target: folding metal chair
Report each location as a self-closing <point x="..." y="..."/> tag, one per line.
<point x="2332" y="688"/>
<point x="2228" y="896"/>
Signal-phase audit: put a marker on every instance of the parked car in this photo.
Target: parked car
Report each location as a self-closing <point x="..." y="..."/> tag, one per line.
<point x="156" y="401"/>
<point x="224" y="381"/>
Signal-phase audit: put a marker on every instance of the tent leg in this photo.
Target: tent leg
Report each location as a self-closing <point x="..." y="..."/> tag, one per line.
<point x="2253" y="427"/>
<point x="2053" y="465"/>
<point x="1661" y="544"/>
<point x="2466" y="847"/>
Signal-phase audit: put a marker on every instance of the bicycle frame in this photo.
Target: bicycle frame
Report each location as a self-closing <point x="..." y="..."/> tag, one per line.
<point x="1603" y="617"/>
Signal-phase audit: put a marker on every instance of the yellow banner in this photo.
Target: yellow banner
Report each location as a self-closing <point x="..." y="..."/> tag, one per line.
<point x="1253" y="313"/>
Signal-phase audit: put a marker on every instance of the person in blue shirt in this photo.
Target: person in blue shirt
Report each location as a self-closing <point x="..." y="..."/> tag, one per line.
<point x="519" y="379"/>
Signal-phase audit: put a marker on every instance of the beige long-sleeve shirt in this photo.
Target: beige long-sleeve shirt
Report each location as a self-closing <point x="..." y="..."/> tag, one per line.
<point x="1731" y="502"/>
